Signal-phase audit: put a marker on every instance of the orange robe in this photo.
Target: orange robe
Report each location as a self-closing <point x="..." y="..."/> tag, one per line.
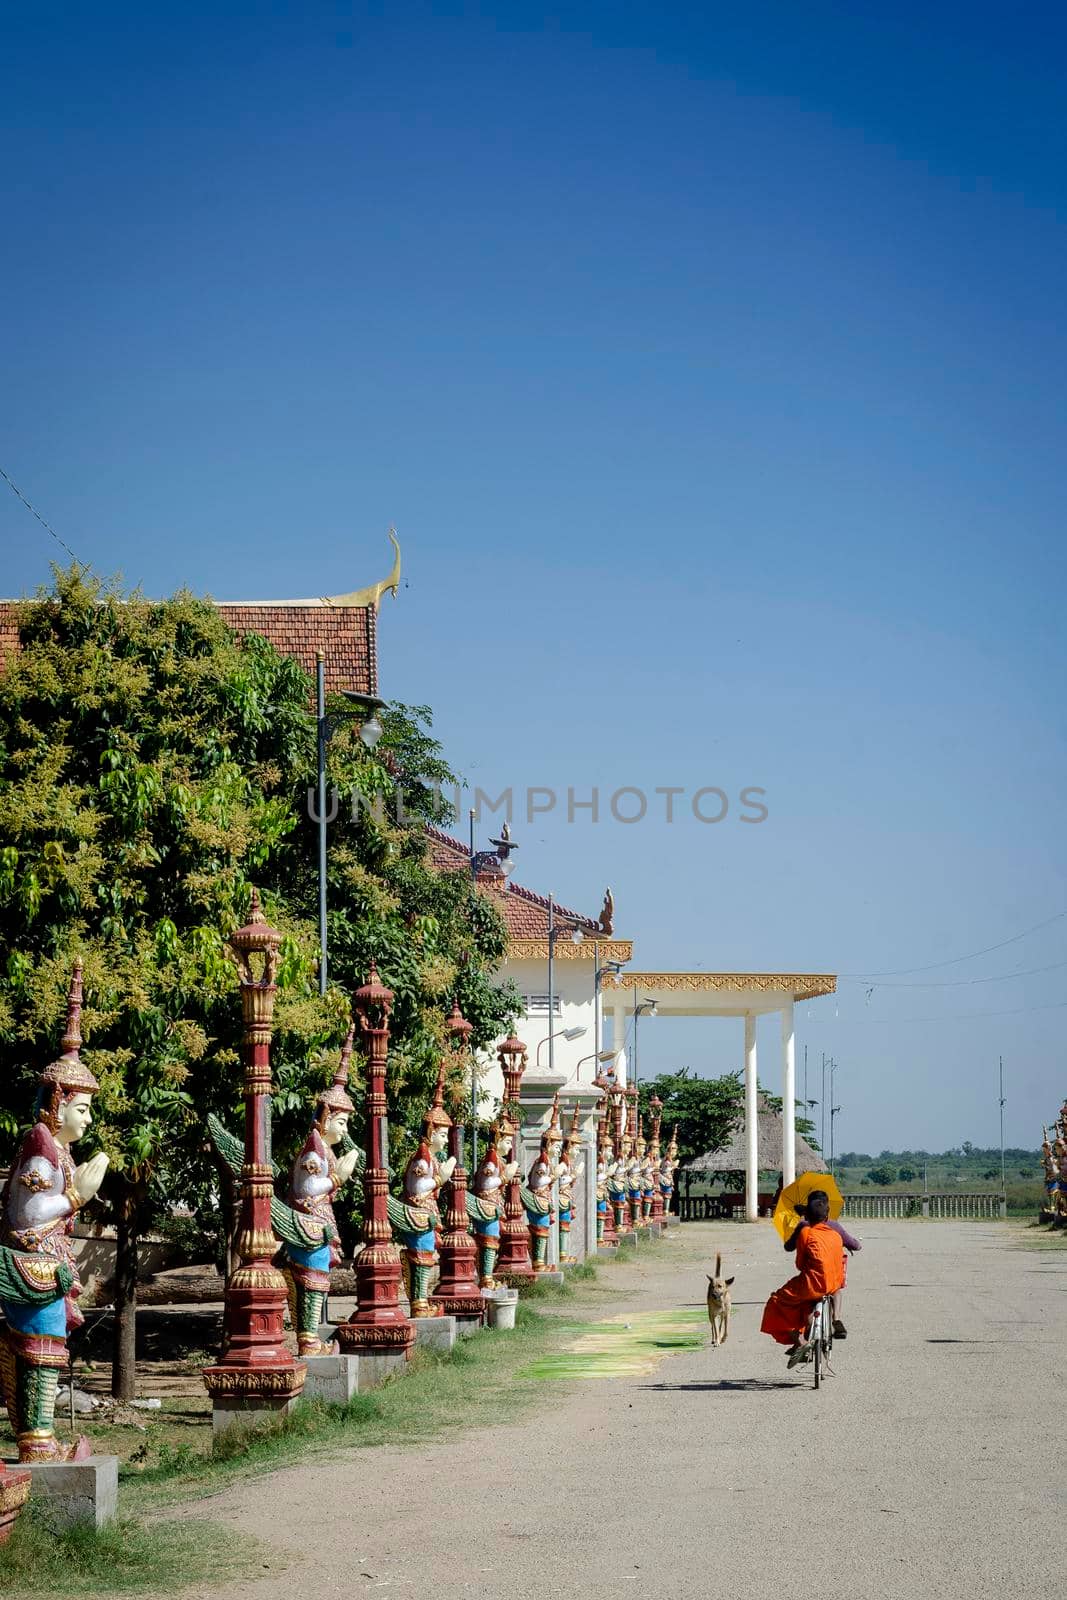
<point x="821" y="1264"/>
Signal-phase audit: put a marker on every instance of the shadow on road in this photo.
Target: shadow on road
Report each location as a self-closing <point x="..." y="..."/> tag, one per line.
<point x="728" y="1385"/>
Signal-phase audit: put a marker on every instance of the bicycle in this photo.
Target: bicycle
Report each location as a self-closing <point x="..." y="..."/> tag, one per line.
<point x="821" y="1337"/>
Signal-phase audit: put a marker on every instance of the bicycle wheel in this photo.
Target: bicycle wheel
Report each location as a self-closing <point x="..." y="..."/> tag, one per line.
<point x="816" y="1342"/>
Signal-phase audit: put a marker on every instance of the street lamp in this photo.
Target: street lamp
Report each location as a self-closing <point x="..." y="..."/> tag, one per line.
<point x="598" y="979"/>
<point x="561" y="1033"/>
<point x="597" y="1055"/>
<point x="370" y="732"/>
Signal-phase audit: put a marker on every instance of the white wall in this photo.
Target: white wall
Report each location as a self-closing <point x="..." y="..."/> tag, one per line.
<point x="573" y="983"/>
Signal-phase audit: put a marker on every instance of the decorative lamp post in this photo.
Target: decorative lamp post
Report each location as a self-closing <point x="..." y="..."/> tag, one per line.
<point x="655" y="1156"/>
<point x="514" y="1264"/>
<point x="458" y="1293"/>
<point x="256" y="1373"/>
<point x="606" y="1233"/>
<point x="378" y="1327"/>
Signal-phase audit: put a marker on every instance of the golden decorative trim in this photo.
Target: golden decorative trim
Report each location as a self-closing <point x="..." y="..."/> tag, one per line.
<point x="249" y="1382"/>
<point x="14" y="1490"/>
<point x="802" y="986"/>
<point x="257" y="1278"/>
<point x="567" y="950"/>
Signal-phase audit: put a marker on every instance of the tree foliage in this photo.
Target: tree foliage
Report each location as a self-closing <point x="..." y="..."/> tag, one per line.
<point x="153" y="766"/>
<point x="707" y="1110"/>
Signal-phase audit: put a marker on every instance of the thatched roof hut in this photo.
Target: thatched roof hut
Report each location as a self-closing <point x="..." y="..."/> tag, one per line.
<point x="731" y="1156"/>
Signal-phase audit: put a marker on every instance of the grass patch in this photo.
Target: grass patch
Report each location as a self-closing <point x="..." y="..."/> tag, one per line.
<point x="437" y="1392"/>
<point x="125" y="1557"/>
<point x="1038" y="1236"/>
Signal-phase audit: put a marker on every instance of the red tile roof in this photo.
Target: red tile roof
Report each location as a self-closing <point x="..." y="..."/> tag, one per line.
<point x="347" y="636"/>
<point x="525" y="913"/>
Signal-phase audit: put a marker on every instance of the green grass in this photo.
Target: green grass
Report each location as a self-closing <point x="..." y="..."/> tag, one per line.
<point x="1038" y="1236"/>
<point x="436" y="1393"/>
<point x="126" y="1557"/>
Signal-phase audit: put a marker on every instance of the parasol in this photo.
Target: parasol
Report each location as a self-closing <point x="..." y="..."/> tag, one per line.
<point x="787" y="1212"/>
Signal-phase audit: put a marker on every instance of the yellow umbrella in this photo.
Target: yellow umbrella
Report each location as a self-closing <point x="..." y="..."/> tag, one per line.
<point x="787" y="1212"/>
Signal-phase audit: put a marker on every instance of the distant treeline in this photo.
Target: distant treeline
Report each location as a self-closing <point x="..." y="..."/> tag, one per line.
<point x="965" y="1163"/>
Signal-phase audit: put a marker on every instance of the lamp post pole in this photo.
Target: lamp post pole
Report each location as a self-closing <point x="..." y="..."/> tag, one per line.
<point x="551" y="982"/>
<point x="320" y="681"/>
<point x="256" y="1372"/>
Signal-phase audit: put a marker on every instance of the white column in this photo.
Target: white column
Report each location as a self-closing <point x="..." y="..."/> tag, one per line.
<point x="751" y="1122"/>
<point x="789" y="1096"/>
<point x="618" y="1041"/>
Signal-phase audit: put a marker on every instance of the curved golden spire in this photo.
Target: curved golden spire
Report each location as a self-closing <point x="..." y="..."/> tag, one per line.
<point x="372" y="594"/>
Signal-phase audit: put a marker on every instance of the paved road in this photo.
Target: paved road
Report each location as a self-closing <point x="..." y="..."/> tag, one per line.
<point x="930" y="1466"/>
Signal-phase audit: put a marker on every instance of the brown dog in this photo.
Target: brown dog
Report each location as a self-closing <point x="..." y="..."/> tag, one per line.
<point x="719" y="1304"/>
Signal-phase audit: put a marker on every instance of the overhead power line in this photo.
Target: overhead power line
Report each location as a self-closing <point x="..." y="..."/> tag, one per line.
<point x="13" y="486"/>
<point x="951" y="1016"/>
<point x="963" y="983"/>
<point x="902" y="972"/>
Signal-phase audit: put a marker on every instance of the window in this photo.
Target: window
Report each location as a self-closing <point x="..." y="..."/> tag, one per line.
<point x="536" y="1005"/>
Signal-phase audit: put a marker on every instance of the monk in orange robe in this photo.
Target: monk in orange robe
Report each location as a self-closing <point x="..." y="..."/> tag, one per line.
<point x="820" y="1271"/>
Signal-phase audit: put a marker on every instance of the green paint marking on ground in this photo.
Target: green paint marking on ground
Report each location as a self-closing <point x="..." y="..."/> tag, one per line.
<point x="624" y="1346"/>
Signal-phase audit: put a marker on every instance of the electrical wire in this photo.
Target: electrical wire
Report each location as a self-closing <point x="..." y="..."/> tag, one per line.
<point x="952" y="1016"/>
<point x="963" y="983"/>
<point x="13" y="486"/>
<point x="902" y="972"/>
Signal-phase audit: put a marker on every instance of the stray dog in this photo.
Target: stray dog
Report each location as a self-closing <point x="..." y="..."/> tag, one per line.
<point x="719" y="1304"/>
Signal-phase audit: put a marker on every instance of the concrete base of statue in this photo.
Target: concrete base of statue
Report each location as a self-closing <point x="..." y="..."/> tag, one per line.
<point x="333" y="1378"/>
<point x="434" y="1333"/>
<point x="376" y="1367"/>
<point x="465" y="1326"/>
<point x="606" y="1249"/>
<point x="553" y="1276"/>
<point x="248" y="1411"/>
<point x="76" y="1491"/>
<point x="655" y="1229"/>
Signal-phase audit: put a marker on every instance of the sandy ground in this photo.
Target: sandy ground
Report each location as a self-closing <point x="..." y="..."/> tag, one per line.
<point x="925" y="1467"/>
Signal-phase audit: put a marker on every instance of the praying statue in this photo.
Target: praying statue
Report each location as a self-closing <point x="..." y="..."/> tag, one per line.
<point x="571" y="1168"/>
<point x="537" y="1191"/>
<point x="416" y="1219"/>
<point x="317" y="1174"/>
<point x="485" y="1207"/>
<point x="39" y="1281"/>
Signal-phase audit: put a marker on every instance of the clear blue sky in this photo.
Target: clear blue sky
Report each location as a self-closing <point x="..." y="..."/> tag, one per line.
<point x="710" y="363"/>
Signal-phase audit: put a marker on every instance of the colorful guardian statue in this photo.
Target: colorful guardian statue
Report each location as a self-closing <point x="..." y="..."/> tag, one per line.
<point x="1052" y="1176"/>
<point x="537" y="1193"/>
<point x="617" y="1189"/>
<point x="416" y="1219"/>
<point x="666" y="1172"/>
<point x="39" y="1282"/>
<point x="648" y="1175"/>
<point x="571" y="1167"/>
<point x="318" y="1173"/>
<point x="485" y="1205"/>
<point x="634" y="1178"/>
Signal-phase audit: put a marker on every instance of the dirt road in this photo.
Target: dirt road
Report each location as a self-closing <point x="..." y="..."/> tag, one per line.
<point x="929" y="1466"/>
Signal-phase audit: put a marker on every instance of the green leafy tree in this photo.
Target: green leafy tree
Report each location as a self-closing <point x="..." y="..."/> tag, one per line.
<point x="907" y="1174"/>
<point x="882" y="1173"/>
<point x="707" y="1110"/>
<point x="154" y="765"/>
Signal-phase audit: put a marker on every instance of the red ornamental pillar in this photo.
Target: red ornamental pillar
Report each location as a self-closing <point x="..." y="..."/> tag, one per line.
<point x="457" y="1293"/>
<point x="513" y="1263"/>
<point x="255" y="1371"/>
<point x="378" y="1326"/>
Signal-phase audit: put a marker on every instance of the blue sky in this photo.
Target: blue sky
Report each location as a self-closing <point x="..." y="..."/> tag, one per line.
<point x="710" y="366"/>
